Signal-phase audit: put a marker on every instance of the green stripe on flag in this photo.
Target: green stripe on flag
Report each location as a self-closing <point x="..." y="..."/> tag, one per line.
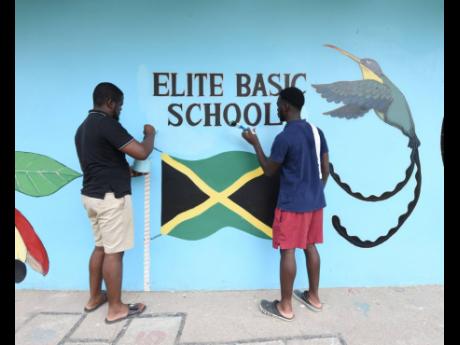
<point x="212" y="220"/>
<point x="222" y="170"/>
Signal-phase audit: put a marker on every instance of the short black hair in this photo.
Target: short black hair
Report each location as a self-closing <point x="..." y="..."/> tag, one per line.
<point x="293" y="96"/>
<point x="105" y="91"/>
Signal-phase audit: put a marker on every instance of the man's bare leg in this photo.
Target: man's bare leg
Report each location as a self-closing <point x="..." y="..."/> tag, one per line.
<point x="113" y="273"/>
<point x="313" y="269"/>
<point x="95" y="278"/>
<point x="287" y="275"/>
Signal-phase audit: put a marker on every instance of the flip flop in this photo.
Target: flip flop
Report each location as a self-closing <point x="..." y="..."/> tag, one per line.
<point x="104" y="300"/>
<point x="133" y="311"/>
<point x="303" y="297"/>
<point x="270" y="309"/>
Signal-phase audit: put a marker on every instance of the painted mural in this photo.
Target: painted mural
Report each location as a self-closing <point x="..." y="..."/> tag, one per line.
<point x="203" y="196"/>
<point x="442" y="140"/>
<point x="28" y="248"/>
<point x="35" y="175"/>
<point x="187" y="69"/>
<point x="378" y="93"/>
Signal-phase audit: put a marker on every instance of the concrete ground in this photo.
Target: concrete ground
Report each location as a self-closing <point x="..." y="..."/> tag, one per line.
<point x="353" y="316"/>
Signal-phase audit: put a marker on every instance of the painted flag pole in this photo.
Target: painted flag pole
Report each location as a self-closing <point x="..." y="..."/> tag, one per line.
<point x="144" y="167"/>
<point x="147" y="232"/>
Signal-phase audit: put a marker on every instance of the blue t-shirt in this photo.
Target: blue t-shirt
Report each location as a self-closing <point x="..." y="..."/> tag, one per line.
<point x="301" y="189"/>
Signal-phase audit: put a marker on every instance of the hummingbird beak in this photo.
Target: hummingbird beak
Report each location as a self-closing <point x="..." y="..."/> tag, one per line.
<point x="344" y="52"/>
<point x="367" y="73"/>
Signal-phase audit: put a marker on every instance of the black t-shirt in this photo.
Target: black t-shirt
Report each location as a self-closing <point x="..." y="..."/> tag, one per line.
<point x="105" y="169"/>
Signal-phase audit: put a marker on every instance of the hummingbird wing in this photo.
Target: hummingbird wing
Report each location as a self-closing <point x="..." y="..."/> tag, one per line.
<point x="357" y="96"/>
<point x="349" y="111"/>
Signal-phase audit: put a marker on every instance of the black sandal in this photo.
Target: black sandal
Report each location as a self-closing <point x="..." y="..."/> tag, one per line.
<point x="104" y="300"/>
<point x="303" y="297"/>
<point x="133" y="311"/>
<point x="271" y="309"/>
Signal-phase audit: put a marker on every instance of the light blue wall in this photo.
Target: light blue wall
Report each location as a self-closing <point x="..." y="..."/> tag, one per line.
<point x="64" y="48"/>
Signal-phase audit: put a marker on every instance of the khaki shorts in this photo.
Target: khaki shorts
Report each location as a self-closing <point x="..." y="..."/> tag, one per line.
<point x="112" y="222"/>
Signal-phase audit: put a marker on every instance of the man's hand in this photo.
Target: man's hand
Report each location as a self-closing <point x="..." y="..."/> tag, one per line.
<point x="268" y="166"/>
<point x="148" y="130"/>
<point x="250" y="137"/>
<point x="141" y="150"/>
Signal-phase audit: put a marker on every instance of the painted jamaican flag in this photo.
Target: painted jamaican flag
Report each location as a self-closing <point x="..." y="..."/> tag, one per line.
<point x="203" y="196"/>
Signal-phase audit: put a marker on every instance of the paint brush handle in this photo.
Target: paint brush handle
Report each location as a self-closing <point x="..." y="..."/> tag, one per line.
<point x="244" y="128"/>
<point x="252" y="130"/>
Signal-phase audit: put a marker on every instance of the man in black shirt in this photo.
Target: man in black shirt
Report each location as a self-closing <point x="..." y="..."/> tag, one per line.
<point x="102" y="143"/>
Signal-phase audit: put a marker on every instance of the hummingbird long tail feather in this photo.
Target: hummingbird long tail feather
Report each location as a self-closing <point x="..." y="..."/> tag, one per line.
<point x="402" y="218"/>
<point x="384" y="195"/>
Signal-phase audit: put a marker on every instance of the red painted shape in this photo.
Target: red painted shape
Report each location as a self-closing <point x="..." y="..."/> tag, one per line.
<point x="35" y="249"/>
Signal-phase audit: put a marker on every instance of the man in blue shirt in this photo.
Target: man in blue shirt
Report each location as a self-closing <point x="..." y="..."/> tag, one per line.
<point x="300" y="153"/>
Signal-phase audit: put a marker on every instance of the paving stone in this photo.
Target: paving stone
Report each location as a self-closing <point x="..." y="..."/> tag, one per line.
<point x="154" y="330"/>
<point x="315" y="341"/>
<point x="94" y="327"/>
<point x="277" y="342"/>
<point x="46" y="329"/>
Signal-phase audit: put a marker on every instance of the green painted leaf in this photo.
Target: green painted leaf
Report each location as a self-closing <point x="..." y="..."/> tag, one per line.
<point x="38" y="175"/>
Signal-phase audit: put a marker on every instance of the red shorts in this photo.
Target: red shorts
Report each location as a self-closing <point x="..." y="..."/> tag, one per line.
<point x="297" y="229"/>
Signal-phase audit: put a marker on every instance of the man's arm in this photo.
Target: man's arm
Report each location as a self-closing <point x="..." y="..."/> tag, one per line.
<point x="141" y="150"/>
<point x="269" y="167"/>
<point x="325" y="167"/>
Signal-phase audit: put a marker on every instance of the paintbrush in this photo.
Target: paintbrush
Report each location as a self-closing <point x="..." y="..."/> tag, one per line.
<point x="237" y="124"/>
